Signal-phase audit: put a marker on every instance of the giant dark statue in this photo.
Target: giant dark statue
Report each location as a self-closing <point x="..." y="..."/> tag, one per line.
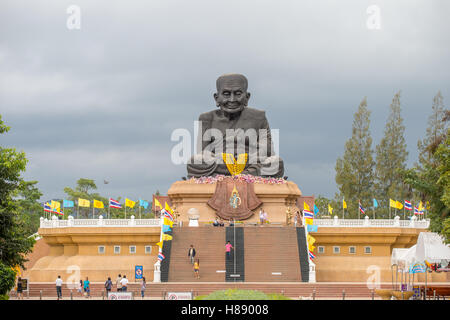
<point x="234" y="129"/>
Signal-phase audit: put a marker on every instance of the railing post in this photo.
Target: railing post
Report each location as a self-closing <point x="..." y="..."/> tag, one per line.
<point x="366" y="221"/>
<point x="100" y="221"/>
<point x="336" y="221"/>
<point x="132" y="222"/>
<point x="343" y="294"/>
<point x="434" y="294"/>
<point x="70" y="221"/>
<point x="40" y="294"/>
<point x="41" y="222"/>
<point x="397" y="221"/>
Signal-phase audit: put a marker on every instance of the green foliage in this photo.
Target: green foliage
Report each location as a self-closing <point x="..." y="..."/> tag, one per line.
<point x="7" y="280"/>
<point x="431" y="176"/>
<point x="355" y="170"/>
<point x="391" y="155"/>
<point x="236" y="294"/>
<point x="14" y="243"/>
<point x="27" y="196"/>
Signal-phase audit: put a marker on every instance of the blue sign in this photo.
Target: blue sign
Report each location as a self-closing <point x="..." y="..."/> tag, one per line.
<point x="138" y="272"/>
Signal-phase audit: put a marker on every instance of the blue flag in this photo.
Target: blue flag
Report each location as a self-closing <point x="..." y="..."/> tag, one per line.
<point x="68" y="204"/>
<point x="312" y="228"/>
<point x="143" y="203"/>
<point x="375" y="203"/>
<point x="316" y="210"/>
<point x="166" y="228"/>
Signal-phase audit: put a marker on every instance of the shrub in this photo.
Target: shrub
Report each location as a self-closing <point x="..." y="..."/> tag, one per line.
<point x="7" y="280"/>
<point x="235" y="294"/>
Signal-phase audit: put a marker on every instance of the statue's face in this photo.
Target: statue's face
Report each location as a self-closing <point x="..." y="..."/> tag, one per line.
<point x="232" y="95"/>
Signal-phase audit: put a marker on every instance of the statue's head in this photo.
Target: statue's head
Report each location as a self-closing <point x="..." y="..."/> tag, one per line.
<point x="232" y="95"/>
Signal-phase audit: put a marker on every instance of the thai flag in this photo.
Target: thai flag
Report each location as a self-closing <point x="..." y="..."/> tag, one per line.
<point x="167" y="214"/>
<point x="47" y="207"/>
<point x="311" y="255"/>
<point x="361" y="208"/>
<point x="114" y="204"/>
<point x="308" y="214"/>
<point x="416" y="210"/>
<point x="161" y="257"/>
<point x="408" y="205"/>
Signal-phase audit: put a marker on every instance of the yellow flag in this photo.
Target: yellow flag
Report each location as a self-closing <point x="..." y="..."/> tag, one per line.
<point x="311" y="241"/>
<point x="344" y="204"/>
<point x="168" y="208"/>
<point x="98" y="204"/>
<point x="84" y="203"/>
<point x="55" y="205"/>
<point x="167" y="222"/>
<point x="129" y="203"/>
<point x="330" y="209"/>
<point x="420" y="206"/>
<point x="399" y="205"/>
<point x="157" y="203"/>
<point x="160" y="244"/>
<point x="309" y="221"/>
<point x="392" y="203"/>
<point x="305" y="206"/>
<point x="166" y="237"/>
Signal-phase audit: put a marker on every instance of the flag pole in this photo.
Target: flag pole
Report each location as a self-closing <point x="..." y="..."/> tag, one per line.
<point x="78" y="209"/>
<point x="125" y="209"/>
<point x="342" y="209"/>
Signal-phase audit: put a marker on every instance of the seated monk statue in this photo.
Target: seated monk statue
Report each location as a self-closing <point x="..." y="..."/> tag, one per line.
<point x="235" y="129"/>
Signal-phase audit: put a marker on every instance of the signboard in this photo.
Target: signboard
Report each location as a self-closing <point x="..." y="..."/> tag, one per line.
<point x="138" y="272"/>
<point x="416" y="290"/>
<point x="24" y="284"/>
<point x="120" y="296"/>
<point x="179" y="296"/>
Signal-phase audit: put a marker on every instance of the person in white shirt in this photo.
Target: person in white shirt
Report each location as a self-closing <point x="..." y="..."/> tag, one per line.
<point x="59" y="283"/>
<point x="124" y="283"/>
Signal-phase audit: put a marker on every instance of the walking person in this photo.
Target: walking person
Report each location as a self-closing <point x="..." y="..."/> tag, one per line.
<point x="19" y="289"/>
<point x="87" y="289"/>
<point x="80" y="288"/>
<point x="124" y="283"/>
<point x="59" y="283"/>
<point x="118" y="283"/>
<point x="228" y="248"/>
<point x="108" y="286"/>
<point x="197" y="268"/>
<point x="191" y="253"/>
<point x="143" y="286"/>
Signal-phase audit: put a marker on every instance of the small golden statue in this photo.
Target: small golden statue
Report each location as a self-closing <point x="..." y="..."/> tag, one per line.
<point x="288" y="216"/>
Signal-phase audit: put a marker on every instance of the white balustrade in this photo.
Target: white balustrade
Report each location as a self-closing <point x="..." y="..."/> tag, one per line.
<point x="100" y="222"/>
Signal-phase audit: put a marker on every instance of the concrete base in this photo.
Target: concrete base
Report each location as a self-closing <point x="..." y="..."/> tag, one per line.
<point x="275" y="198"/>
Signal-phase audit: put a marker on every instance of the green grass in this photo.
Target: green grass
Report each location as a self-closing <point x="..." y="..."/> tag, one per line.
<point x="236" y="294"/>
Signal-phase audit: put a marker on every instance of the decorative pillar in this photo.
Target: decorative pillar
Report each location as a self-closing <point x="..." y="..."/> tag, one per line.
<point x="157" y="272"/>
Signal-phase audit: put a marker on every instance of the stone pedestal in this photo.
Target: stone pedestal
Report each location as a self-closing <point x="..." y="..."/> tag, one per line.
<point x="275" y="199"/>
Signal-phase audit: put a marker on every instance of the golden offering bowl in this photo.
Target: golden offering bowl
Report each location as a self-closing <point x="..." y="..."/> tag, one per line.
<point x="406" y="295"/>
<point x="385" y="294"/>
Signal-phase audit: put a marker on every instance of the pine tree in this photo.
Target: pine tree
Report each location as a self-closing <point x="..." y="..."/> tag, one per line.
<point x="355" y="170"/>
<point x="436" y="130"/>
<point x="391" y="155"/>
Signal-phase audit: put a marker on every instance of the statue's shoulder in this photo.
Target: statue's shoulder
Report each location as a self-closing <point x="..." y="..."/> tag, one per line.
<point x="207" y="116"/>
<point x="254" y="113"/>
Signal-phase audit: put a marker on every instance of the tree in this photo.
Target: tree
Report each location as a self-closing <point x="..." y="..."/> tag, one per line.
<point x="27" y="200"/>
<point x="355" y="170"/>
<point x="435" y="131"/>
<point x="391" y="155"/>
<point x="14" y="244"/>
<point x="431" y="176"/>
<point x="82" y="190"/>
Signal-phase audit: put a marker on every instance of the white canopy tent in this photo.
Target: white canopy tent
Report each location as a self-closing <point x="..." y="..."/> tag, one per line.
<point x="430" y="247"/>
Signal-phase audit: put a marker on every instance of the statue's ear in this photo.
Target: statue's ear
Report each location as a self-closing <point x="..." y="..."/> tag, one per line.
<point x="216" y="96"/>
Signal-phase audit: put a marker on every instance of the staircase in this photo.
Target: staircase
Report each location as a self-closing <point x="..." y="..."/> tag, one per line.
<point x="303" y="253"/>
<point x="235" y="265"/>
<point x="209" y="243"/>
<point x="271" y="254"/>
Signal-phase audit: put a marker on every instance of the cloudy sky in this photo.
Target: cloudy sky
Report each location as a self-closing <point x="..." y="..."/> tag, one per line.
<point x="101" y="102"/>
